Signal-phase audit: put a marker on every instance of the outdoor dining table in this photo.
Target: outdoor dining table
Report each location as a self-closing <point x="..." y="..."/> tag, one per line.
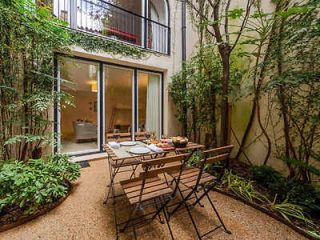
<point x="122" y="157"/>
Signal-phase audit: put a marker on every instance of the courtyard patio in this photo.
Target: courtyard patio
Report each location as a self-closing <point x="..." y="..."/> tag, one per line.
<point x="84" y="216"/>
<point x="159" y="119"/>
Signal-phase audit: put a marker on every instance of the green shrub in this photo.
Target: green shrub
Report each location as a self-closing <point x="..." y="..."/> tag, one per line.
<point x="304" y="194"/>
<point x="195" y="158"/>
<point x="35" y="183"/>
<point x="266" y="175"/>
<point x="296" y="192"/>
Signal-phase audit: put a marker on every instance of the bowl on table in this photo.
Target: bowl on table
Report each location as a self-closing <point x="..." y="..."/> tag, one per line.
<point x="180" y="142"/>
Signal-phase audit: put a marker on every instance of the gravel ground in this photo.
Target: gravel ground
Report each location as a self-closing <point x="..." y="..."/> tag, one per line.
<point x="83" y="216"/>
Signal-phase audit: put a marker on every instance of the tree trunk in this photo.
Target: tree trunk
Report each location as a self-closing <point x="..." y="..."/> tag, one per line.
<point x="225" y="55"/>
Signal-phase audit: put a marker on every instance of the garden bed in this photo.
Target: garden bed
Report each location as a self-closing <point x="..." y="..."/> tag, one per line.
<point x="33" y="188"/>
<point x="15" y="216"/>
<point x="266" y="211"/>
<point x="247" y="184"/>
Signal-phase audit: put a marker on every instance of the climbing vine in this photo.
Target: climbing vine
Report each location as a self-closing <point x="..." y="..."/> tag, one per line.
<point x="30" y="37"/>
<point x="93" y="43"/>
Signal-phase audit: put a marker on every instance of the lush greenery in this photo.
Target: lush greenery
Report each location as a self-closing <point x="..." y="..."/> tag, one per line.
<point x="289" y="208"/>
<point x="197" y="89"/>
<point x="26" y="54"/>
<point x="283" y="75"/>
<point x="303" y="194"/>
<point x="279" y="77"/>
<point x="93" y="43"/>
<point x="242" y="188"/>
<point x="31" y="185"/>
<point x="31" y="36"/>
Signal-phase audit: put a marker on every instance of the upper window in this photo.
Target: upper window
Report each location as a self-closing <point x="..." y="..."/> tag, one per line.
<point x="128" y="21"/>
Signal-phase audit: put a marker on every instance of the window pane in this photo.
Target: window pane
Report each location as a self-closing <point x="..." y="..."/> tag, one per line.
<point x="118" y="102"/>
<point x="79" y="122"/>
<point x="149" y="107"/>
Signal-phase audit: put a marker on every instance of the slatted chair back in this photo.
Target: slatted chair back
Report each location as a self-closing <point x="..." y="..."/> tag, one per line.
<point x="211" y="156"/>
<point x="154" y="167"/>
<point x="218" y="151"/>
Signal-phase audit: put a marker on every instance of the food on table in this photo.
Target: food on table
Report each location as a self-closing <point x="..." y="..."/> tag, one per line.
<point x="164" y="146"/>
<point x="180" y="142"/>
<point x="151" y="141"/>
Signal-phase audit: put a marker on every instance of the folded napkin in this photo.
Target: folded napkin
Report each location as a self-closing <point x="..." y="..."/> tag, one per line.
<point x="154" y="148"/>
<point x="114" y="145"/>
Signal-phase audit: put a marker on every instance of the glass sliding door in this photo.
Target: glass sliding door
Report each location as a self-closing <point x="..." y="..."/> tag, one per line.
<point x="119" y="109"/>
<point x="79" y="122"/>
<point x="149" y="103"/>
<point x="96" y="110"/>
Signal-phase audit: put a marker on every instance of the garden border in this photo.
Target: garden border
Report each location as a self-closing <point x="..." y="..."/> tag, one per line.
<point x="264" y="210"/>
<point x="26" y="219"/>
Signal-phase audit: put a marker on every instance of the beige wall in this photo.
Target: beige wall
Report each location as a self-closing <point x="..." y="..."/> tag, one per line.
<point x="164" y="63"/>
<point x="171" y="64"/>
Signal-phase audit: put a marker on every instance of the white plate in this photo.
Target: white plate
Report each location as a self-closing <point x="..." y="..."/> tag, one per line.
<point x="139" y="150"/>
<point x="128" y="143"/>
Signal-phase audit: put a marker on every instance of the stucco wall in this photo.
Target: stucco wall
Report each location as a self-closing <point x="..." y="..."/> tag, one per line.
<point x="164" y="63"/>
<point x="172" y="63"/>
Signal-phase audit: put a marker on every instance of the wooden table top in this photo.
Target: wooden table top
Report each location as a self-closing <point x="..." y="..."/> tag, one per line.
<point x="123" y="151"/>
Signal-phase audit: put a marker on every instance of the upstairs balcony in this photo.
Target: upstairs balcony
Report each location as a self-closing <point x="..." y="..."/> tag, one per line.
<point x="144" y="23"/>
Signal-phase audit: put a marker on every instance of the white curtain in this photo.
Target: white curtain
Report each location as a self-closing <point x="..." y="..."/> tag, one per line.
<point x="153" y="105"/>
<point x="155" y="29"/>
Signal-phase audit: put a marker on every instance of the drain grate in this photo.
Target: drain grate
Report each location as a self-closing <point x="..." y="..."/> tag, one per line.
<point x="84" y="164"/>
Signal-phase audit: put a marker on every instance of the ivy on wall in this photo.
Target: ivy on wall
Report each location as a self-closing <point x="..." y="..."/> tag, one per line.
<point x="30" y="37"/>
<point x="92" y="43"/>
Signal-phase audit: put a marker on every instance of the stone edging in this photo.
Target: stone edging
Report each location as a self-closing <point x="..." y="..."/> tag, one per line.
<point x="264" y="210"/>
<point x="38" y="214"/>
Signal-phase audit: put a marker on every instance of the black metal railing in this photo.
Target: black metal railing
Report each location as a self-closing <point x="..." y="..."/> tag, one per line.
<point x="106" y="19"/>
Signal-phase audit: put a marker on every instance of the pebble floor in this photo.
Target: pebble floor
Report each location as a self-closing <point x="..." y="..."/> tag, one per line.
<point x="83" y="216"/>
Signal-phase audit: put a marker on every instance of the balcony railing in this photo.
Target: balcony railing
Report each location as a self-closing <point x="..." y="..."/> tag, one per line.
<point x="106" y="19"/>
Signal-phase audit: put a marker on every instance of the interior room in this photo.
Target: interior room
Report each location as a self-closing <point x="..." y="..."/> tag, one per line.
<point x="127" y="110"/>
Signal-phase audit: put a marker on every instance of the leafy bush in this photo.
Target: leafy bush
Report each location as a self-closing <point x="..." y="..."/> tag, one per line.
<point x="195" y="158"/>
<point x="266" y="175"/>
<point x="304" y="194"/>
<point x="295" y="191"/>
<point x="35" y="183"/>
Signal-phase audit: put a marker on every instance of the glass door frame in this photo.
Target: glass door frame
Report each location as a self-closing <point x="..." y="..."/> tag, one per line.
<point x="133" y="120"/>
<point x="57" y="108"/>
<point x="160" y="95"/>
<point x="101" y="136"/>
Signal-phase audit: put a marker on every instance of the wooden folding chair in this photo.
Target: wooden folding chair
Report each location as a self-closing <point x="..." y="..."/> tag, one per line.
<point x="195" y="179"/>
<point x="149" y="190"/>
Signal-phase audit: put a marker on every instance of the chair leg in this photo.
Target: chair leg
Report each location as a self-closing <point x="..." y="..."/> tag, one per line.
<point x="217" y="213"/>
<point x="192" y="220"/>
<point x="157" y="208"/>
<point x="133" y="174"/>
<point x="110" y="185"/>
<point x="129" y="219"/>
<point x="168" y="223"/>
<point x="184" y="199"/>
<point x="108" y="194"/>
<point x="116" y="222"/>
<point x="199" y="202"/>
<point x="134" y="233"/>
